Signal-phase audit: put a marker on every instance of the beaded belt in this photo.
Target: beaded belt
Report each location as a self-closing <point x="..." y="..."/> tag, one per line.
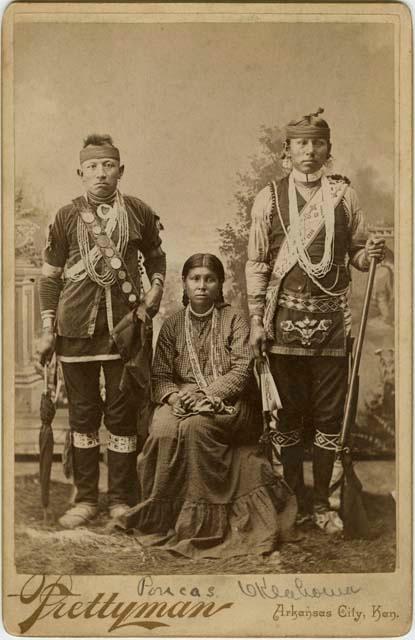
<point x="317" y="304"/>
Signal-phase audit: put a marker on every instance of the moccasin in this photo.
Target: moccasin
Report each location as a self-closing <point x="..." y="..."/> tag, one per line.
<point x="118" y="510"/>
<point x="79" y="515"/>
<point x="328" y="521"/>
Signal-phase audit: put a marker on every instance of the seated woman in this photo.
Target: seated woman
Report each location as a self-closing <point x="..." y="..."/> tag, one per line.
<point x="201" y="495"/>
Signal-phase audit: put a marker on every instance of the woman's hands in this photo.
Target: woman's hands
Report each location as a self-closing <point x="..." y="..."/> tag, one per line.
<point x="184" y="399"/>
<point x="191" y="401"/>
<point x="188" y="399"/>
<point x="172" y="399"/>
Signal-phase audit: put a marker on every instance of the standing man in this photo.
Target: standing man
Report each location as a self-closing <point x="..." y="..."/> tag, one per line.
<point x="306" y="232"/>
<point x="90" y="281"/>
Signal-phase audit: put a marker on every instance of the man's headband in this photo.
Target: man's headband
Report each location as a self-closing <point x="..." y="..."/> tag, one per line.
<point x="95" y="151"/>
<point x="310" y="126"/>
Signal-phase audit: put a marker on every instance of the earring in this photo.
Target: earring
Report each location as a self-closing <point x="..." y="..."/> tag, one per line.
<point x="329" y="163"/>
<point x="286" y="163"/>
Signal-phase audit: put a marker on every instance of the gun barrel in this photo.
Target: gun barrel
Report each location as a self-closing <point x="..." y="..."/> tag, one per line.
<point x="351" y="400"/>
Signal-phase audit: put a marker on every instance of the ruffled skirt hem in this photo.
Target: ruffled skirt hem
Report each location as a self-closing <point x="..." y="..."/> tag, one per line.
<point x="252" y="524"/>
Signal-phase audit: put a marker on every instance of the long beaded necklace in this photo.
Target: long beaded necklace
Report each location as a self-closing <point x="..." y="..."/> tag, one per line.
<point x="318" y="269"/>
<point x="111" y="216"/>
<point x="313" y="270"/>
<point x="194" y="360"/>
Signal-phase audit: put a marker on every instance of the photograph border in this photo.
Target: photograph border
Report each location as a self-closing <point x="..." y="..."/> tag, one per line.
<point x="237" y="614"/>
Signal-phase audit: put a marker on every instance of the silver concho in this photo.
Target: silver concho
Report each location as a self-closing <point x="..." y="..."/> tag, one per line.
<point x="87" y="217"/>
<point x="115" y="263"/>
<point x="127" y="287"/>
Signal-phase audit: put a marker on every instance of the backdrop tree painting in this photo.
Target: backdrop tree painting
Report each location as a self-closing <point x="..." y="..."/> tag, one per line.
<point x="265" y="166"/>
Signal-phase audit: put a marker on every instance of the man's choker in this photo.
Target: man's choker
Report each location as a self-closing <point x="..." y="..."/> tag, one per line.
<point x="93" y="199"/>
<point x="299" y="176"/>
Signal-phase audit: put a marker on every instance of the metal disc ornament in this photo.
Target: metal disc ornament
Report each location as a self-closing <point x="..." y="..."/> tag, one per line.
<point x="115" y="263"/>
<point x="88" y="217"/>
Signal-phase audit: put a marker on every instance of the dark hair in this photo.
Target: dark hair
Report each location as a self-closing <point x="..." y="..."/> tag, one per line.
<point x="98" y="139"/>
<point x="209" y="261"/>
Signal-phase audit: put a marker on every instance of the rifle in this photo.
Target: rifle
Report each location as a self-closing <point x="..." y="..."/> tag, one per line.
<point x="352" y="510"/>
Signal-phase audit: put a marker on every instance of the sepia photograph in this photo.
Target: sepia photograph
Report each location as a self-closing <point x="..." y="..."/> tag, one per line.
<point x="207" y="294"/>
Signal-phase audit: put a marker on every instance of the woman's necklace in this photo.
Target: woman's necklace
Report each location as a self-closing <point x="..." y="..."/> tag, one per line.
<point x="201" y="315"/>
<point x="194" y="360"/>
<point x="199" y="323"/>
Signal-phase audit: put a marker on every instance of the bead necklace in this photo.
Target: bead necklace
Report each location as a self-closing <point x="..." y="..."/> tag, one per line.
<point x="294" y="239"/>
<point x="318" y="269"/>
<point x="201" y="315"/>
<point x="214" y="356"/>
<point x="92" y="256"/>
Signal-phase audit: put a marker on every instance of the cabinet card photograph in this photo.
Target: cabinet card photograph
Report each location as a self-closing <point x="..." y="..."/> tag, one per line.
<point x="207" y="299"/>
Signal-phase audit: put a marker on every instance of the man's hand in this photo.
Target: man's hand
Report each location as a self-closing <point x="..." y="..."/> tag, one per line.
<point x="257" y="338"/>
<point x="46" y="346"/>
<point x="152" y="299"/>
<point x="375" y="248"/>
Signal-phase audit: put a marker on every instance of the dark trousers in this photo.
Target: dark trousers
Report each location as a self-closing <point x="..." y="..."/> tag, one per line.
<point x="313" y="391"/>
<point x="86" y="409"/>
